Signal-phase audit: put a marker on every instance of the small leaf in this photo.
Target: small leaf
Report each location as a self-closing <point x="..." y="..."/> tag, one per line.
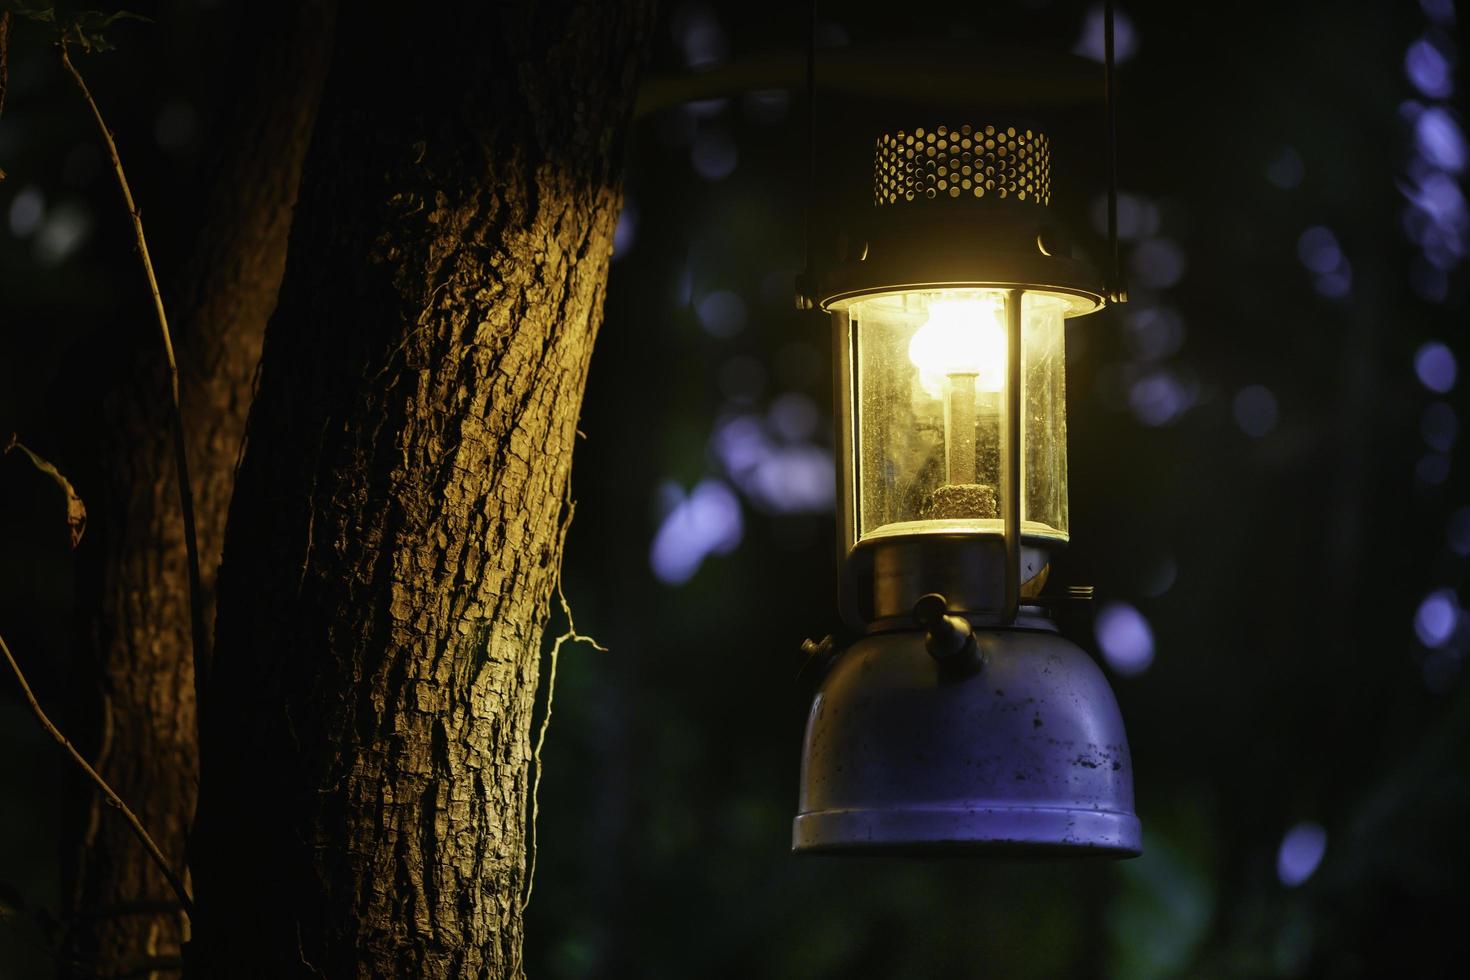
<point x="76" y="511"/>
<point x="43" y="12"/>
<point x="83" y="27"/>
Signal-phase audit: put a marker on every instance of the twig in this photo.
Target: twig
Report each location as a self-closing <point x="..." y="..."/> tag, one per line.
<point x="4" y="63"/>
<point x="570" y="636"/>
<point x="181" y="459"/>
<point x="4" y="56"/>
<point x="185" y="898"/>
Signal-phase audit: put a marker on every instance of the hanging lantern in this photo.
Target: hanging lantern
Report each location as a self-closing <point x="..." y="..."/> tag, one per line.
<point x="960" y="718"/>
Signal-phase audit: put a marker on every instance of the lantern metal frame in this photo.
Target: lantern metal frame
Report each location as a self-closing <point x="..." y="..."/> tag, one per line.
<point x="1007" y="245"/>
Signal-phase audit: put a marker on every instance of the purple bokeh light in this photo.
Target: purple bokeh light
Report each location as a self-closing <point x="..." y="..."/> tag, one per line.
<point x="1437" y="618"/>
<point x="1157" y="263"/>
<point x="1090" y="44"/>
<point x="1435" y="366"/>
<point x="1125" y="638"/>
<point x="1439" y="139"/>
<point x="697" y="31"/>
<point x="1334" y="285"/>
<point x="793" y="416"/>
<point x="626" y="233"/>
<point x="1301" y="852"/>
<point x="713" y="154"/>
<point x="721" y="313"/>
<point x="705" y="522"/>
<point x="1138" y="217"/>
<point x="1442" y="12"/>
<point x="1318" y="250"/>
<point x="1159" y="398"/>
<point x="1429" y="69"/>
<point x="1154" y="332"/>
<point x="782" y="478"/>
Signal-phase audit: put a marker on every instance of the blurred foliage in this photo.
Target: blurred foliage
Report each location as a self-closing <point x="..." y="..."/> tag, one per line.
<point x="80" y="27"/>
<point x="1279" y="545"/>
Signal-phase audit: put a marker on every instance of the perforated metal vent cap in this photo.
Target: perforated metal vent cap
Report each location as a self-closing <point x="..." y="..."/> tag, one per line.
<point x="967" y="162"/>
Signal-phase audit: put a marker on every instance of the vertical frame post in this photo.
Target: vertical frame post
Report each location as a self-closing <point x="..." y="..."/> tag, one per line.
<point x="1011" y="460"/>
<point x="844" y="419"/>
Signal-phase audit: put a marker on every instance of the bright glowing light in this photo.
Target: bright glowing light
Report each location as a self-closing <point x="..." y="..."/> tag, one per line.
<point x="961" y="337"/>
<point x="1302" y="849"/>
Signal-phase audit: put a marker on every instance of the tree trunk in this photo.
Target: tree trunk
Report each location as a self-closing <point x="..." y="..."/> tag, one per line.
<point x="395" y="535"/>
<point x="138" y="696"/>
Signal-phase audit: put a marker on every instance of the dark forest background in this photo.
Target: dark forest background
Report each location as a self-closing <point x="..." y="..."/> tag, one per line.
<point x="1266" y="490"/>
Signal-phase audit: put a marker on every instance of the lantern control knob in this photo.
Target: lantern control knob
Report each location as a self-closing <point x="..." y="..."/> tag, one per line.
<point x="949" y="639"/>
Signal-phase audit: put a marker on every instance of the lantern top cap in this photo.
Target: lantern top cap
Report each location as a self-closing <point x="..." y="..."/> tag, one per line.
<point x="963" y="162"/>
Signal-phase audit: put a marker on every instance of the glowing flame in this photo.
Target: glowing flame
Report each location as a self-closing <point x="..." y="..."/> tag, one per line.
<point x="961" y="337"/>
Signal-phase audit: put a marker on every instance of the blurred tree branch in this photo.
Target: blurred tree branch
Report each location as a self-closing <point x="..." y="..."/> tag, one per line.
<point x="181" y="459"/>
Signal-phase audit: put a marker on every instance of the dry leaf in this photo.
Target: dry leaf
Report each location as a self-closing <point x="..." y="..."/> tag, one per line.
<point x="76" y="511"/>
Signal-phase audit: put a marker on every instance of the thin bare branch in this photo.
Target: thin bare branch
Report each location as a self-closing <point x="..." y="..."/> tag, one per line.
<point x="4" y="56"/>
<point x="4" y="63"/>
<point x="570" y="636"/>
<point x="185" y="899"/>
<point x="181" y="459"/>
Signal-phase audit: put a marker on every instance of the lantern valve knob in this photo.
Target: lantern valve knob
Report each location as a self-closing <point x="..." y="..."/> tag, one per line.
<point x="949" y="639"/>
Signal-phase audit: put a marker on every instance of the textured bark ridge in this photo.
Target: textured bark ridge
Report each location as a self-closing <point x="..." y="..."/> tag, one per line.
<point x="393" y="541"/>
<point x="139" y="692"/>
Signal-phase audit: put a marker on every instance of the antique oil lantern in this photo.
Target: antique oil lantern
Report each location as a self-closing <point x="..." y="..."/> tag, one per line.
<point x="954" y="716"/>
<point x="959" y="719"/>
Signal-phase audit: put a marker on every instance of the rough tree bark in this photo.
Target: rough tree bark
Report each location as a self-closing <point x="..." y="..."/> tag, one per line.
<point x="394" y="538"/>
<point x="137" y="692"/>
